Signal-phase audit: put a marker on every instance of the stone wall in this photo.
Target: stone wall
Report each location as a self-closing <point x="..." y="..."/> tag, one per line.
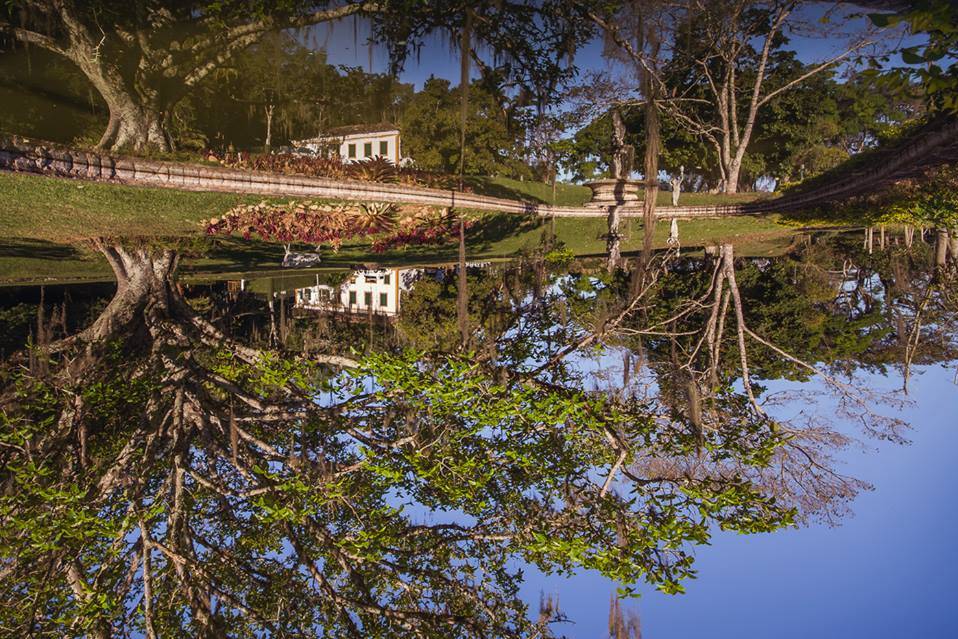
<point x="20" y="154"/>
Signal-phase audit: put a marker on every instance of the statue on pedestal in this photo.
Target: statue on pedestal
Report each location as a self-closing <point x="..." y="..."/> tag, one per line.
<point x="676" y="183"/>
<point x="618" y="190"/>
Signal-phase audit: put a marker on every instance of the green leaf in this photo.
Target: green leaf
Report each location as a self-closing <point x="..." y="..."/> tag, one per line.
<point x="884" y="19"/>
<point x="911" y="56"/>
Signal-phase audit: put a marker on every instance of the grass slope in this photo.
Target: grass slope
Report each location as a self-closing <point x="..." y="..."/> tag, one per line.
<point x="46" y="220"/>
<point x="58" y="210"/>
<point x="565" y="194"/>
<point x="576" y="195"/>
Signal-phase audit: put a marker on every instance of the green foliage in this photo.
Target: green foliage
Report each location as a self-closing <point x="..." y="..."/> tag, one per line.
<point x="933" y="60"/>
<point x="559" y="256"/>
<point x="929" y="200"/>
<point x="420" y="482"/>
<point x="509" y="439"/>
<point x="307" y="96"/>
<point x="431" y="130"/>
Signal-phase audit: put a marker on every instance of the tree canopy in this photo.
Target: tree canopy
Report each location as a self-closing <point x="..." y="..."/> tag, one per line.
<point x="144" y="60"/>
<point x="167" y="472"/>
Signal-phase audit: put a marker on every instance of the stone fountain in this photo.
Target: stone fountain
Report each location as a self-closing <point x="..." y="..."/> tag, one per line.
<point x="618" y="190"/>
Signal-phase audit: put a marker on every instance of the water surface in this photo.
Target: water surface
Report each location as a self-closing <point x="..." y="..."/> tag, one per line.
<point x="486" y="450"/>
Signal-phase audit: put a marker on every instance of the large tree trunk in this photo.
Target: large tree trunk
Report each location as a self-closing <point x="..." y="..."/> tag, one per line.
<point x="653" y="143"/>
<point x="145" y="297"/>
<point x="143" y="66"/>
<point x="138" y="96"/>
<point x="731" y="177"/>
<point x="134" y="127"/>
<point x="138" y="115"/>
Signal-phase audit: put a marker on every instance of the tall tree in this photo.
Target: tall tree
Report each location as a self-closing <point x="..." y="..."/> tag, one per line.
<point x="431" y="131"/>
<point x="144" y="57"/>
<point x="726" y="61"/>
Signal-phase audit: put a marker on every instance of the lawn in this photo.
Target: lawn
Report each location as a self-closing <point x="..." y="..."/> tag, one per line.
<point x="59" y="210"/>
<point x="576" y="195"/>
<point x="565" y="194"/>
<point x="46" y="222"/>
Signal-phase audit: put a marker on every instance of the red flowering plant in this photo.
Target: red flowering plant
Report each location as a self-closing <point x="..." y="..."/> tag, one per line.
<point x="316" y="223"/>
<point x="376" y="169"/>
<point x="422" y="230"/>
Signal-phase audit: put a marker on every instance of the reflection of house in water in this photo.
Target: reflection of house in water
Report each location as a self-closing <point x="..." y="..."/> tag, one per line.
<point x="369" y="291"/>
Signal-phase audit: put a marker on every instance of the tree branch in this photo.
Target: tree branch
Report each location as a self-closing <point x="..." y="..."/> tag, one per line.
<point x="32" y="37"/>
<point x="817" y="69"/>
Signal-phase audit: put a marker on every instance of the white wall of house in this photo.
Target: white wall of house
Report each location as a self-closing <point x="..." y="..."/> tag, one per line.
<point x="366" y="145"/>
<point x="360" y="146"/>
<point x="377" y="290"/>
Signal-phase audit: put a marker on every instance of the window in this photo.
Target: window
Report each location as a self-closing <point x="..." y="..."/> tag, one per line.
<point x="386" y="279"/>
<point x="368" y="150"/>
<point x="352" y="298"/>
<point x="351" y="150"/>
<point x="368" y="298"/>
<point x="384" y="299"/>
<point x="384" y="148"/>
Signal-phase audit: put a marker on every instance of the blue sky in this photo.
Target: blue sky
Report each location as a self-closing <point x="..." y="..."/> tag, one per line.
<point x="887" y="571"/>
<point x="346" y="43"/>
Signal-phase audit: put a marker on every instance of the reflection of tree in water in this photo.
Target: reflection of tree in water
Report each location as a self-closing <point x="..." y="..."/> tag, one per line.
<point x="161" y="477"/>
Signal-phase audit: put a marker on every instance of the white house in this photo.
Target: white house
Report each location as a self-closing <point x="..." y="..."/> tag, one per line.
<point x="358" y="142"/>
<point x="376" y="290"/>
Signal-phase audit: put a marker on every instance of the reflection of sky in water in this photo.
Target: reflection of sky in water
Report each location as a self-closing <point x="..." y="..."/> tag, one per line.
<point x="885" y="572"/>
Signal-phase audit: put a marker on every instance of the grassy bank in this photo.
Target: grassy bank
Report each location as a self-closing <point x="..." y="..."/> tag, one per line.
<point x="58" y="210"/>
<point x="576" y="195"/>
<point x="46" y="222"/>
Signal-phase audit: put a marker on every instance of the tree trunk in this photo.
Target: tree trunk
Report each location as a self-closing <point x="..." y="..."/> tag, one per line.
<point x="731" y="176"/>
<point x="613" y="243"/>
<point x="653" y="142"/>
<point x="941" y="248"/>
<point x="462" y="289"/>
<point x="134" y="125"/>
<point x="268" y="144"/>
<point x="465" y="51"/>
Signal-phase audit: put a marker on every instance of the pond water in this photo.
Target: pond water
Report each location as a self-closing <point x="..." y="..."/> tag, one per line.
<point x="486" y="451"/>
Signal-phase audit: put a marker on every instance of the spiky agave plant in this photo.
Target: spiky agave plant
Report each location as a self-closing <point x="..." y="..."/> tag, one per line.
<point x="376" y="217"/>
<point x="377" y="169"/>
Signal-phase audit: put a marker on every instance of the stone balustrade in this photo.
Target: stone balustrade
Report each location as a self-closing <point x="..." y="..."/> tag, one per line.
<point x="20" y="154"/>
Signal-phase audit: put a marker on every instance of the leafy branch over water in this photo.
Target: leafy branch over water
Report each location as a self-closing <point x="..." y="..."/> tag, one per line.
<point x="164" y="478"/>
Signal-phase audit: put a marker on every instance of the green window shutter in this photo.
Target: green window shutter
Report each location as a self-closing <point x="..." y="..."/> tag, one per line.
<point x="352" y="298"/>
<point x="384" y="148"/>
<point x="368" y="298"/>
<point x="351" y="150"/>
<point x="384" y="299"/>
<point x="368" y="150"/>
<point x="386" y="279"/>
